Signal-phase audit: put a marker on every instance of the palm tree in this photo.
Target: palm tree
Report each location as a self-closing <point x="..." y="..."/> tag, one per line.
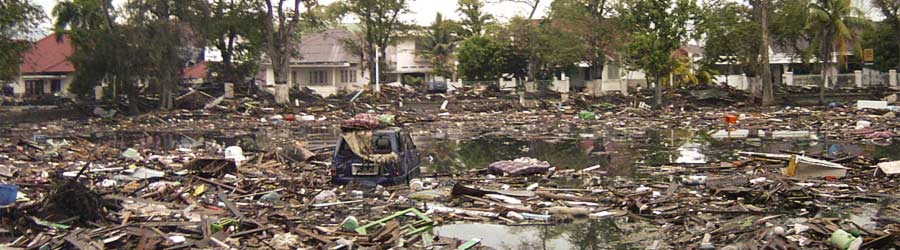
<point x="84" y="14"/>
<point x="439" y="42"/>
<point x="833" y="24"/>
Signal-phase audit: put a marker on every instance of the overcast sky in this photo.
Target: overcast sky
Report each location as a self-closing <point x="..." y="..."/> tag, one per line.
<point x="423" y="11"/>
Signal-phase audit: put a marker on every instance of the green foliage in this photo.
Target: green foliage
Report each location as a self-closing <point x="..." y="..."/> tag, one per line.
<point x="581" y="29"/>
<point x="150" y="46"/>
<point x="482" y="58"/>
<point x="657" y="29"/>
<point x="438" y="43"/>
<point x="235" y="29"/>
<point x="729" y="33"/>
<point x="882" y="38"/>
<point x="889" y="50"/>
<point x="413" y="80"/>
<point x="19" y="19"/>
<point x="473" y="17"/>
<point x="832" y="24"/>
<point x="381" y="26"/>
<point x="787" y="26"/>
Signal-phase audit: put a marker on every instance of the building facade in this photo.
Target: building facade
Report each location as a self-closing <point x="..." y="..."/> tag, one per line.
<point x="45" y="68"/>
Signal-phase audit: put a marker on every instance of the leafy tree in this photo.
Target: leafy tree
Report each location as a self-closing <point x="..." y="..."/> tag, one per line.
<point x="381" y="26"/>
<point x="482" y="59"/>
<point x="890" y="9"/>
<point x="657" y="28"/>
<point x="235" y="29"/>
<point x="19" y="19"/>
<point x="882" y="38"/>
<point x="787" y="26"/>
<point x="281" y="24"/>
<point x="438" y="42"/>
<point x="832" y="24"/>
<point x="100" y="44"/>
<point x="473" y="17"/>
<point x="161" y="30"/>
<point x="729" y="35"/>
<point x="761" y="7"/>
<point x="105" y="50"/>
<point x="526" y="41"/>
<point x="583" y="28"/>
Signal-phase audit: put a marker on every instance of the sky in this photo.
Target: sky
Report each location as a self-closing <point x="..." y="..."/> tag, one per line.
<point x="423" y="11"/>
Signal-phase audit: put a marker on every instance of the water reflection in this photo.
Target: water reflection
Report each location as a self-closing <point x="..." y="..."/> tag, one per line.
<point x="613" y="233"/>
<point x="621" y="155"/>
<point x="459" y="155"/>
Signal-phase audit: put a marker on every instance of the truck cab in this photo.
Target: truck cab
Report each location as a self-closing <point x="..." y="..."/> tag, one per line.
<point x="393" y="158"/>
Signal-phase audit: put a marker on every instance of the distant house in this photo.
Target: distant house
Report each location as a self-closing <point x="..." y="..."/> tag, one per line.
<point x="323" y="64"/>
<point x="196" y="74"/>
<point x="406" y="61"/>
<point x="45" y="69"/>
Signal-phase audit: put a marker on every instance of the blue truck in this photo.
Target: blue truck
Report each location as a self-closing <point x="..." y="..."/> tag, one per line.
<point x="390" y="158"/>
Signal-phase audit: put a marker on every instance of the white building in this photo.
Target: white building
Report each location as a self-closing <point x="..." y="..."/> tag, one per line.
<point x="45" y="68"/>
<point x="324" y="64"/>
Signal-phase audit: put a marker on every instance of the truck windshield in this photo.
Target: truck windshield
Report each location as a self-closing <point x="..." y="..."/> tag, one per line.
<point x="381" y="144"/>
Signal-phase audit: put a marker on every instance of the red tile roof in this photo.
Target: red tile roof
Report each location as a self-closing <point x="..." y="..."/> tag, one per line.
<point x="198" y="71"/>
<point x="48" y="56"/>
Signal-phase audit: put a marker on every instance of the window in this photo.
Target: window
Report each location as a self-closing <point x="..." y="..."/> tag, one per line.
<point x="317" y="78"/>
<point x="348" y="76"/>
<point x="382" y="144"/>
<point x="55" y="86"/>
<point x="294" y="79"/>
<point x="34" y="87"/>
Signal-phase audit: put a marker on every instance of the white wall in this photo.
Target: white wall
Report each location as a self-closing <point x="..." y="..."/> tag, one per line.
<point x="65" y="83"/>
<point x="300" y="77"/>
<point x="406" y="60"/>
<point x="736" y="81"/>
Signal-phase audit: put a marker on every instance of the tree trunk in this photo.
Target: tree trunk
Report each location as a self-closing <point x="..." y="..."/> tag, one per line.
<point x="165" y="94"/>
<point x="658" y="90"/>
<point x="131" y="90"/>
<point x="826" y="59"/>
<point x="282" y="89"/>
<point x="381" y="52"/>
<point x="768" y="95"/>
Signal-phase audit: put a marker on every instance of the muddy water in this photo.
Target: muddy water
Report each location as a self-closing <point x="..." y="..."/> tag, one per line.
<point x="584" y="234"/>
<point x="619" y="155"/>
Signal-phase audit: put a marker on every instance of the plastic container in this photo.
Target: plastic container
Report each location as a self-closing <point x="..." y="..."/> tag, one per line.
<point x="8" y="194"/>
<point x="731" y="119"/>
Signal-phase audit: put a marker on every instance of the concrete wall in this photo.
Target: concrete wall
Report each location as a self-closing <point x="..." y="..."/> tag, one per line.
<point x="300" y="77"/>
<point x="65" y="82"/>
<point x="735" y="81"/>
<point x="405" y="59"/>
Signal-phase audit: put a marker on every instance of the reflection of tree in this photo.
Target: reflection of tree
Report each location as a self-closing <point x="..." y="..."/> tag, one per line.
<point x="595" y="234"/>
<point x="891" y="152"/>
<point x="544" y="235"/>
<point x="445" y="156"/>
<point x="480" y="152"/>
<point x="564" y="154"/>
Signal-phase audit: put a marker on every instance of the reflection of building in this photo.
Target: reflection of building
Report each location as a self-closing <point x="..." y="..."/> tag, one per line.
<point x="45" y="68"/>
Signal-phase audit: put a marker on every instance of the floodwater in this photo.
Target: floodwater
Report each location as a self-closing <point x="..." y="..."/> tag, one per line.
<point x="613" y="233"/>
<point x="619" y="155"/>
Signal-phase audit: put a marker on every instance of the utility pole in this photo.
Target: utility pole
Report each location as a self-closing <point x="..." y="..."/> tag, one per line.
<point x="377" y="71"/>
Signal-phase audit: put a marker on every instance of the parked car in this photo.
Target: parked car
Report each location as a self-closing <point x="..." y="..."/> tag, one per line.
<point x="437" y="86"/>
<point x="347" y="166"/>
